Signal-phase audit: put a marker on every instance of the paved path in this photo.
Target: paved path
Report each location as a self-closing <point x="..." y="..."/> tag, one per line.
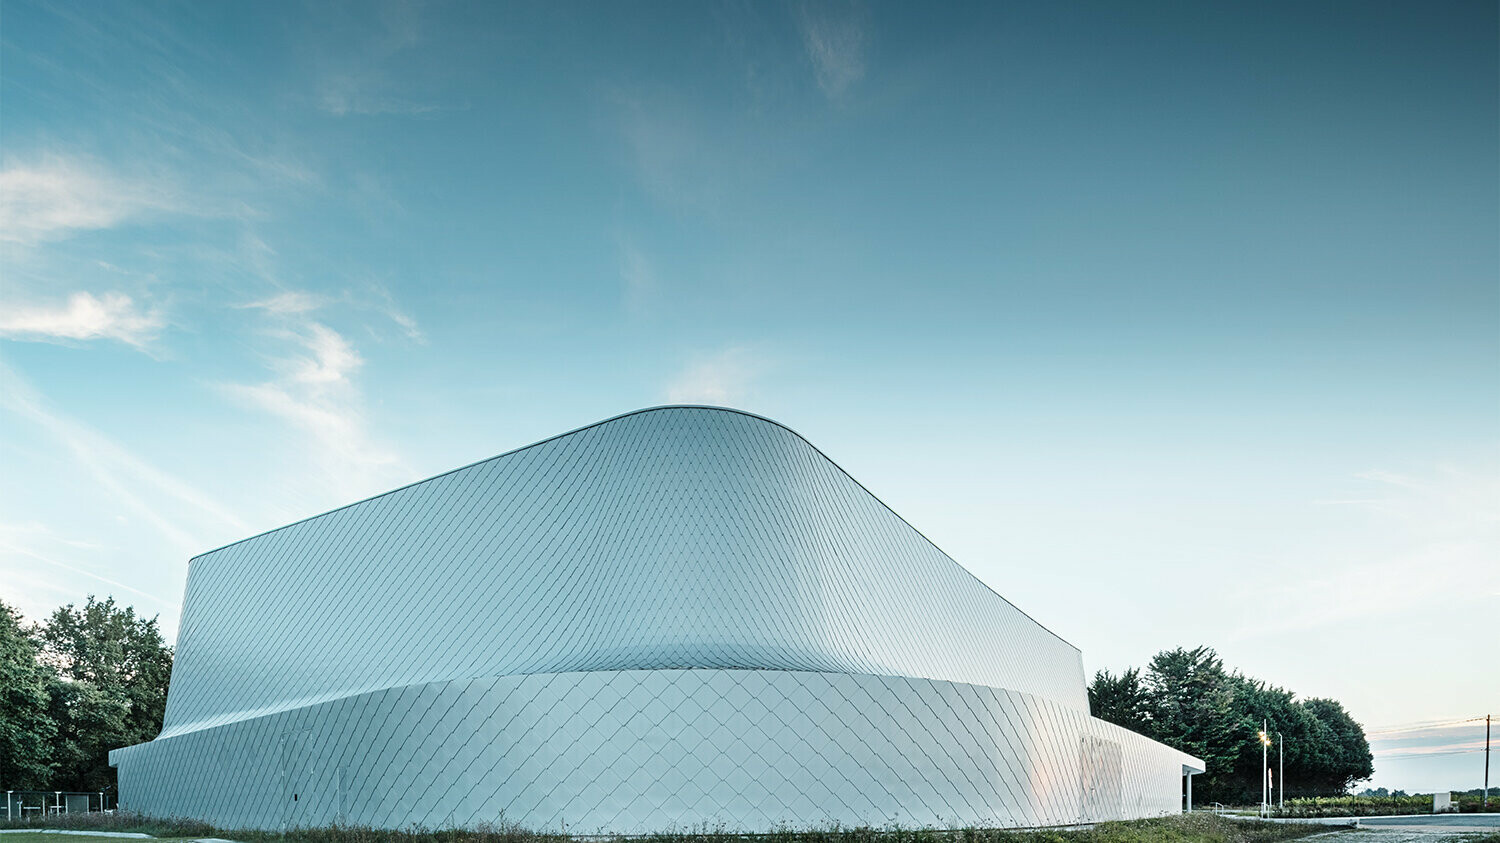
<point x="1419" y="828"/>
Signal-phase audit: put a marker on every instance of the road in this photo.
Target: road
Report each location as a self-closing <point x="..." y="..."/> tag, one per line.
<point x="1420" y="828"/>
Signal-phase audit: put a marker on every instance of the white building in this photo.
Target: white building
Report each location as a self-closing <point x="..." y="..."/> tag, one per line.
<point x="679" y="616"/>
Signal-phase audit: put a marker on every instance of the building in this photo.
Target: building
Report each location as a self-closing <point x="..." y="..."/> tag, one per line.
<point x="675" y="617"/>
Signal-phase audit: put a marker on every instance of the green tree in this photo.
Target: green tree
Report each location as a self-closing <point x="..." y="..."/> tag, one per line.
<point x="1192" y="703"/>
<point x="1348" y="758"/>
<point x="1253" y="704"/>
<point x="91" y="721"/>
<point x="113" y="669"/>
<point x="27" y="730"/>
<point x="1190" y="710"/>
<point x="1121" y="700"/>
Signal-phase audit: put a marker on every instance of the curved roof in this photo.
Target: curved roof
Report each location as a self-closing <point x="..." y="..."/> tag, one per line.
<point x="675" y="537"/>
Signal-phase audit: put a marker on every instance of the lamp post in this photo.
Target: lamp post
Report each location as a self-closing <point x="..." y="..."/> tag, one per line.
<point x="1265" y="771"/>
<point x="1281" y="770"/>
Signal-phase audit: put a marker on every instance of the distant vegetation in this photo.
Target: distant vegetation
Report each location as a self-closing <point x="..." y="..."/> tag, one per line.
<point x="1186" y="699"/>
<point x="85" y="681"/>
<point x="1374" y="806"/>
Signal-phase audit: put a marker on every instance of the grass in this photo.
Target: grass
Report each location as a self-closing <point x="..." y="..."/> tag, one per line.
<point x="1189" y="828"/>
<point x="45" y="837"/>
<point x="117" y="822"/>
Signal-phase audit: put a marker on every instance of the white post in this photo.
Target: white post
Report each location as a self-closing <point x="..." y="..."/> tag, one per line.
<point x="1264" y="770"/>
<point x="1190" y="793"/>
<point x="1281" y="762"/>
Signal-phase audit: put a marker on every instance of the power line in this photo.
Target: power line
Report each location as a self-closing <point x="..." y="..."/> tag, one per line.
<point x="1388" y="755"/>
<point x="1420" y="726"/>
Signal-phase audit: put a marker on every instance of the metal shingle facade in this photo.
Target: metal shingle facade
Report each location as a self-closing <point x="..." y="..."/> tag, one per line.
<point x="678" y="616"/>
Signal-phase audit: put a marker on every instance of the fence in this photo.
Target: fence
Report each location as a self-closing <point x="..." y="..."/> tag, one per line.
<point x="26" y="804"/>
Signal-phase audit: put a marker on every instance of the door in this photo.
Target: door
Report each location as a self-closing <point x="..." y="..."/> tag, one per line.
<point x="1103" y="788"/>
<point x="296" y="781"/>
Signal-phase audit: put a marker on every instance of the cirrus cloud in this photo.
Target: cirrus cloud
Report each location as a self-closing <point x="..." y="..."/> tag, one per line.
<point x="316" y="390"/>
<point x="59" y="196"/>
<point x="720" y="378"/>
<point x="835" y="43"/>
<point x="83" y="317"/>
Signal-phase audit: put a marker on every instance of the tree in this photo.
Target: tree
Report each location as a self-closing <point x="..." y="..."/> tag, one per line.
<point x="27" y="730"/>
<point x="1254" y="703"/>
<point x="1121" y="700"/>
<point x="1348" y="758"/>
<point x="1186" y="699"/>
<point x="111" y="690"/>
<point x="1190" y="710"/>
<point x="91" y="721"/>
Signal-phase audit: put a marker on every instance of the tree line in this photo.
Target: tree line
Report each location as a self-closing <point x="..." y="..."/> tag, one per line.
<point x="84" y="681"/>
<point x="1187" y="700"/>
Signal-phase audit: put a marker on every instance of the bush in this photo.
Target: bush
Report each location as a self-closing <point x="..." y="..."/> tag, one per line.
<point x="1370" y="806"/>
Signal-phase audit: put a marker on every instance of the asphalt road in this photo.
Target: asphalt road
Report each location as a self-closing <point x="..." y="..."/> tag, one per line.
<point x="1420" y="828"/>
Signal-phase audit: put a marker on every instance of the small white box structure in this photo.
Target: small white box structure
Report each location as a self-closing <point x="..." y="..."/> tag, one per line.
<point x="1442" y="803"/>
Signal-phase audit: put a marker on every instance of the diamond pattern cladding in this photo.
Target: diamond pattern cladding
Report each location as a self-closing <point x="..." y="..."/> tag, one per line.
<point x="677" y="616"/>
<point x="641" y="751"/>
<point x="669" y="538"/>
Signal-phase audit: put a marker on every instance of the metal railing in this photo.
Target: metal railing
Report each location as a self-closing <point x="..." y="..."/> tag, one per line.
<point x="29" y="804"/>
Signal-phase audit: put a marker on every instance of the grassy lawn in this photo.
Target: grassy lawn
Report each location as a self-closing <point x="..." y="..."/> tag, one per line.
<point x="49" y="837"/>
<point x="124" y="823"/>
<point x="1193" y="828"/>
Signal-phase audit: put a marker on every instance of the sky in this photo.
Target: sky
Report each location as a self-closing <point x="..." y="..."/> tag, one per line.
<point x="1176" y="323"/>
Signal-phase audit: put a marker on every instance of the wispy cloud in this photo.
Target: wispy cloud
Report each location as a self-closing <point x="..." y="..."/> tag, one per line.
<point x="315" y="389"/>
<point x="29" y="541"/>
<point x="723" y="377"/>
<point x="294" y="303"/>
<point x="638" y="277"/>
<point x="57" y="196"/>
<point x="331" y="360"/>
<point x="670" y="153"/>
<point x="1457" y="736"/>
<point x="288" y="302"/>
<point x="358" y="94"/>
<point x="835" y="40"/>
<point x="83" y="317"/>
<point x="147" y="491"/>
<point x="362" y="83"/>
<point x="1431" y="540"/>
<point x="403" y="320"/>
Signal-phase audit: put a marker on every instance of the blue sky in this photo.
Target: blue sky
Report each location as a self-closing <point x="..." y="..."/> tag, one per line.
<point x="1176" y="323"/>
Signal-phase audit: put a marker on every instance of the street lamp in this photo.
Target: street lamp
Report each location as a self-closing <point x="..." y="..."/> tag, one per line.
<point x="1265" y="796"/>
<point x="1281" y="773"/>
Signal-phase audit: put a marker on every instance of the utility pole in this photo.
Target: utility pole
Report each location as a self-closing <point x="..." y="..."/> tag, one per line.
<point x="1486" y="762"/>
